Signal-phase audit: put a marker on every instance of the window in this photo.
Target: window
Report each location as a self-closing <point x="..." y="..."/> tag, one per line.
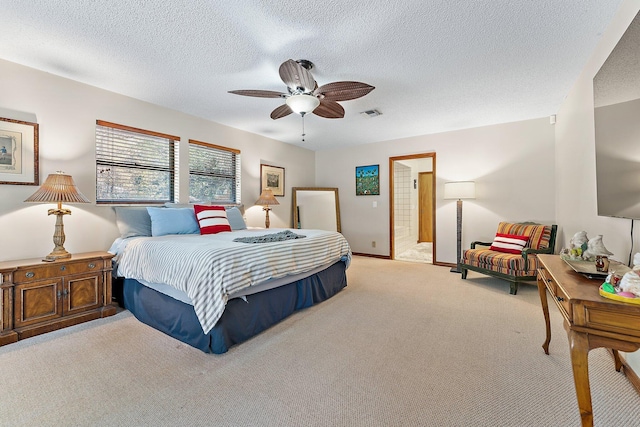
<point x="135" y="165"/>
<point x="214" y="173"/>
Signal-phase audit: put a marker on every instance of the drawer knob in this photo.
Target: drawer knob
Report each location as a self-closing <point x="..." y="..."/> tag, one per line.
<point x="30" y="274"/>
<point x="63" y="267"/>
<point x="92" y="265"/>
<point x="560" y="299"/>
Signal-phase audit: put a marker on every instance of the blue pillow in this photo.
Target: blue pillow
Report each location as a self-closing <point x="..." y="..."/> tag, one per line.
<point x="235" y="219"/>
<point x="173" y="221"/>
<point x="133" y="221"/>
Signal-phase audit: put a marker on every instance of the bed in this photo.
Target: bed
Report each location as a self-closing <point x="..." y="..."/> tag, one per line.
<point x="217" y="290"/>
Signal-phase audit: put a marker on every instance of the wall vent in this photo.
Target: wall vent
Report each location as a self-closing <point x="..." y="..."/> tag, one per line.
<point x="371" y="113"/>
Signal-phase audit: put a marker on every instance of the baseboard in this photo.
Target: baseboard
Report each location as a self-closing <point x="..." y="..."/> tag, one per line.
<point x="371" y="255"/>
<point x="629" y="373"/>
<point x="444" y="264"/>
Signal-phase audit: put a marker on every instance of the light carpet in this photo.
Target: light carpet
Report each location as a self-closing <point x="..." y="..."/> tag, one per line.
<point x="405" y="344"/>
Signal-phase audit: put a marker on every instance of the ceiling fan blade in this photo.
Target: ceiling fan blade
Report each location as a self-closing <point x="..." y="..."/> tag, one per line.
<point x="295" y="76"/>
<point x="259" y="93"/>
<point x="329" y="110"/>
<point x="343" y="91"/>
<point x="281" y="111"/>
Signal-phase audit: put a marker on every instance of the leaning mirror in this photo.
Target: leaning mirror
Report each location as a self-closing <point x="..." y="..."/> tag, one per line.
<point x="316" y="207"/>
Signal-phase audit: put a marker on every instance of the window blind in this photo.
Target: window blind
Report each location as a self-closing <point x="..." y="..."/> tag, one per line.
<point x="214" y="173"/>
<point x="134" y="165"/>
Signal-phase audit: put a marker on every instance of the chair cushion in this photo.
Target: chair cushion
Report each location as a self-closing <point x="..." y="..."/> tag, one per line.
<point x="539" y="235"/>
<point x="505" y="263"/>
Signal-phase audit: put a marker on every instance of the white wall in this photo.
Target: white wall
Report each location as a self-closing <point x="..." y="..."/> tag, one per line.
<point x="66" y="112"/>
<point x="575" y="157"/>
<point x="512" y="164"/>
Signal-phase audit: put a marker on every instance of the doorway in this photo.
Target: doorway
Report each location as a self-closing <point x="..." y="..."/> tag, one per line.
<point x="412" y="202"/>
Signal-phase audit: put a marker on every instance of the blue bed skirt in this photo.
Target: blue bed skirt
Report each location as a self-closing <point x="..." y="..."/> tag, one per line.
<point x="240" y="321"/>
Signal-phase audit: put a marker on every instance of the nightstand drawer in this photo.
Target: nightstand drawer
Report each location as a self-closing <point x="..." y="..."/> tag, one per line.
<point x="56" y="270"/>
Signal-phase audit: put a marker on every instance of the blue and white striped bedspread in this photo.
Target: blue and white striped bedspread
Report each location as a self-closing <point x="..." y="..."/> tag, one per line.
<point x="208" y="268"/>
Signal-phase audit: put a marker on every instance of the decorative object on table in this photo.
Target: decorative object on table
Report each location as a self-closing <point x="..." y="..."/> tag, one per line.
<point x="58" y="188"/>
<point x="272" y="178"/>
<point x="265" y="200"/>
<point x="579" y="239"/>
<point x="587" y="268"/>
<point x="18" y="152"/>
<point x="578" y="244"/>
<point x="622" y="285"/>
<point x="630" y="282"/>
<point x="602" y="263"/>
<point x="595" y="247"/>
<point x="459" y="190"/>
<point x="368" y="180"/>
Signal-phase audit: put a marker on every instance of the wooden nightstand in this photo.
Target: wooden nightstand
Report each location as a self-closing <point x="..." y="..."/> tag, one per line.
<point x="38" y="297"/>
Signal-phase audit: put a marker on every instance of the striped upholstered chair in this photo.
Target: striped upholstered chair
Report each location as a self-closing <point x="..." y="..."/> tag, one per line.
<point x="512" y="255"/>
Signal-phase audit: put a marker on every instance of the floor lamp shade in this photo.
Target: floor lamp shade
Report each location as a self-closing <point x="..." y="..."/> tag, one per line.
<point x="459" y="190"/>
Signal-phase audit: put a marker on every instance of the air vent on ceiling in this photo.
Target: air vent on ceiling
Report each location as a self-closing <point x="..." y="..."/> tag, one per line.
<point x="371" y="113"/>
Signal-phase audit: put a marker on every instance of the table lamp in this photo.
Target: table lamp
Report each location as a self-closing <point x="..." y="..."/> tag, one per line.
<point x="459" y="190"/>
<point x="58" y="188"/>
<point x="265" y="200"/>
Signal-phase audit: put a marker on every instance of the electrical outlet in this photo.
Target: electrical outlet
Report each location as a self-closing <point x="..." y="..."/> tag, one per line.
<point x="373" y="244"/>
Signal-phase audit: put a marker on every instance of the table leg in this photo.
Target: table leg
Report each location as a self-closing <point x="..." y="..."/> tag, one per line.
<point x="542" y="290"/>
<point x="616" y="358"/>
<point x="579" y="347"/>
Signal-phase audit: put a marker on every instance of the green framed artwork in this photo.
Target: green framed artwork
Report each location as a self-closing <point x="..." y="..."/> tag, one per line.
<point x="368" y="180"/>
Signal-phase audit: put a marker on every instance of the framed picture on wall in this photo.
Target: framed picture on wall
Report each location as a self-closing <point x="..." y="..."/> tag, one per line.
<point x="272" y="177"/>
<point x="18" y="152"/>
<point x="368" y="180"/>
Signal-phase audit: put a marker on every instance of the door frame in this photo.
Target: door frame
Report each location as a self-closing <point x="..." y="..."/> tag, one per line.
<point x="420" y="210"/>
<point x="431" y="155"/>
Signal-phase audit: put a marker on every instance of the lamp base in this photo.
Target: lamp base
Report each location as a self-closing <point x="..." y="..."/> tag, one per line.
<point x="56" y="255"/>
<point x="267" y="223"/>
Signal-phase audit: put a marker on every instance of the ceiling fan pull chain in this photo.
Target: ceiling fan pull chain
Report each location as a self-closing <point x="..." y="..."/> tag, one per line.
<point x="303" y="134"/>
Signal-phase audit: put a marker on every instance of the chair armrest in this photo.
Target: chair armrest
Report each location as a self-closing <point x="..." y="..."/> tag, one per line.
<point x="473" y="244"/>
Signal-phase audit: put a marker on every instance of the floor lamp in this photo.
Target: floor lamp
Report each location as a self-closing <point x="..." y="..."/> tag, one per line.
<point x="459" y="190"/>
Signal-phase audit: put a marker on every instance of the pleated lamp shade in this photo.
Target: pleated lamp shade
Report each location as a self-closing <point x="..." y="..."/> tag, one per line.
<point x="267" y="198"/>
<point x="58" y="188"/>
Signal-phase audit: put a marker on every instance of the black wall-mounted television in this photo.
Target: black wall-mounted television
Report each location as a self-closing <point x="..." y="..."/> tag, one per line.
<point x="616" y="90"/>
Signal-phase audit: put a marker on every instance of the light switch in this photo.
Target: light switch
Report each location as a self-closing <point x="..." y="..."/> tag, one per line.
<point x="375" y="204"/>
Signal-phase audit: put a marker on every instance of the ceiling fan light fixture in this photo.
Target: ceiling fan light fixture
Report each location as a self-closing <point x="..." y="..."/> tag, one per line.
<point x="302" y="104"/>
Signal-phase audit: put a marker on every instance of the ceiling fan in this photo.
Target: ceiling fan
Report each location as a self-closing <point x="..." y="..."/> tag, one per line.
<point x="304" y="96"/>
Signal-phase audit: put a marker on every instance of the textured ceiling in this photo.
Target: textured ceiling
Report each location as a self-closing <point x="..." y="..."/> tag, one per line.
<point x="437" y="65"/>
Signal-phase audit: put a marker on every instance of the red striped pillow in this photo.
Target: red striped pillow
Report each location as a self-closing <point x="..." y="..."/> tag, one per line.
<point x="509" y="243"/>
<point x="211" y="219"/>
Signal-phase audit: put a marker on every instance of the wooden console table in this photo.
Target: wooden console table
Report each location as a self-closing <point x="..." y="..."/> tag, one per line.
<point x="591" y="321"/>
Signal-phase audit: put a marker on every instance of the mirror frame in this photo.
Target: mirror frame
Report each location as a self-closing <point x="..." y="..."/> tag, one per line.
<point x="294" y="203"/>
